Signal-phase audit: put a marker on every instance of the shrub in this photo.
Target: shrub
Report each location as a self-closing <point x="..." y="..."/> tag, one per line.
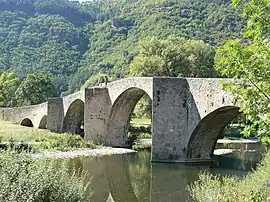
<point x="254" y="187"/>
<point x="64" y="142"/>
<point x="25" y="179"/>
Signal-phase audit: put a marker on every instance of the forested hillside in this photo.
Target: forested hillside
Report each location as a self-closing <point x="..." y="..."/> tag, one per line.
<point x="73" y="42"/>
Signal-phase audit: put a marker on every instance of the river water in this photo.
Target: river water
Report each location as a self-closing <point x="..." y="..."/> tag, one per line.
<point x="132" y="178"/>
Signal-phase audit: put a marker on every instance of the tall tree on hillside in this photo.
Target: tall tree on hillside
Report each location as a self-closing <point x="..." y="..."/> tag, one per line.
<point x="9" y="83"/>
<point x="174" y="57"/>
<point x="248" y="61"/>
<point x="35" y="89"/>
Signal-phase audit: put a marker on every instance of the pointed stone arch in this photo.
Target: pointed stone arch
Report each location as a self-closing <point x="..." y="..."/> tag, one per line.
<point x="120" y="114"/>
<point x="203" y="139"/>
<point x="73" y="120"/>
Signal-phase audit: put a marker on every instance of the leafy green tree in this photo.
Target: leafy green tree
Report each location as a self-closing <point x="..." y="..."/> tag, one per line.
<point x="174" y="57"/>
<point x="34" y="89"/>
<point x="143" y="108"/>
<point x="247" y="61"/>
<point x="74" y="41"/>
<point x="9" y="83"/>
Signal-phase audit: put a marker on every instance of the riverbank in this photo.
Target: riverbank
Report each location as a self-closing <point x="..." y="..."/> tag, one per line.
<point x="222" y="145"/>
<point x="253" y="187"/>
<point x="104" y="151"/>
<point x="39" y="140"/>
<point x="51" y="145"/>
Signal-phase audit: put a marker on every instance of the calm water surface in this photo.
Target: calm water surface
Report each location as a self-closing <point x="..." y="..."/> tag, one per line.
<point x="132" y="178"/>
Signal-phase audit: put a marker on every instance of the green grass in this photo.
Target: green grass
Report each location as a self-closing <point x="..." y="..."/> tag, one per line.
<point x="141" y="141"/>
<point x="140" y="122"/>
<point x="39" y="139"/>
<point x="254" y="187"/>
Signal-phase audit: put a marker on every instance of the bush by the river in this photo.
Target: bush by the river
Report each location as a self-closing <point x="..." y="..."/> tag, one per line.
<point x="26" y="179"/>
<point x="255" y="187"/>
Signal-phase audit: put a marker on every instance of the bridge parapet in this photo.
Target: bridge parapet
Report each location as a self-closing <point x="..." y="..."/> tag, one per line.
<point x="116" y="88"/>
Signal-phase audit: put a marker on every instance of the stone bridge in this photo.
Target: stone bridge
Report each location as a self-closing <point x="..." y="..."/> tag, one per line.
<point x="187" y="115"/>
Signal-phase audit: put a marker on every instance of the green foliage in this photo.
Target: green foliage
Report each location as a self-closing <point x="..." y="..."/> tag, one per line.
<point x="35" y="89"/>
<point x="63" y="142"/>
<point x="95" y="79"/>
<point x="174" y="57"/>
<point x="258" y="19"/>
<point x="210" y="21"/>
<point x="247" y="61"/>
<point x="25" y="179"/>
<point x="73" y="42"/>
<point x="41" y="140"/>
<point x="143" y="109"/>
<point x="141" y="147"/>
<point x="254" y="187"/>
<point x="45" y="43"/>
<point x="8" y="86"/>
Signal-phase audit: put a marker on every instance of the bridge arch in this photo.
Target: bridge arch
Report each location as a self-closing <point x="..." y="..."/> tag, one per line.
<point x="120" y="115"/>
<point x="27" y="122"/>
<point x="43" y="122"/>
<point x="203" y="139"/>
<point x="74" y="117"/>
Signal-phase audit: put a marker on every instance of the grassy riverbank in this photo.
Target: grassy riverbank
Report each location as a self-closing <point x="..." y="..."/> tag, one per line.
<point x="254" y="187"/>
<point x="140" y="129"/>
<point x="25" y="179"/>
<point x="39" y="139"/>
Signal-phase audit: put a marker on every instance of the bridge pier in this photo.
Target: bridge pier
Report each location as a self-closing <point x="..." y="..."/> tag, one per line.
<point x="55" y="114"/>
<point x="174" y="115"/>
<point x="96" y="112"/>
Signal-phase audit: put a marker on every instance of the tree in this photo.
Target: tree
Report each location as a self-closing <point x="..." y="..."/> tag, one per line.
<point x="73" y="41"/>
<point x="9" y="83"/>
<point x="35" y="89"/>
<point x="247" y="61"/>
<point x="143" y="108"/>
<point x="174" y="57"/>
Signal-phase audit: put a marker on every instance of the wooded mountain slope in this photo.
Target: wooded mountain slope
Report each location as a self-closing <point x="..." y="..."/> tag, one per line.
<point x="73" y="42"/>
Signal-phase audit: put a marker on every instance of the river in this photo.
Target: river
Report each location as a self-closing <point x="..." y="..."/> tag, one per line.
<point x="132" y="178"/>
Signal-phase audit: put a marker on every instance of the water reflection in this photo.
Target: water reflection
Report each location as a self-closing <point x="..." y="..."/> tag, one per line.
<point x="131" y="178"/>
<point x="238" y="160"/>
<point x="172" y="185"/>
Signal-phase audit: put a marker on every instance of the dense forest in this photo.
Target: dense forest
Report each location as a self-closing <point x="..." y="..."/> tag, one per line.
<point x="73" y="42"/>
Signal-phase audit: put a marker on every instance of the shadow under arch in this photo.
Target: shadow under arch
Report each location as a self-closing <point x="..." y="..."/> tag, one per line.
<point x="203" y="139"/>
<point x="74" y="118"/>
<point x="27" y="122"/>
<point x="43" y="122"/>
<point x="120" y="115"/>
